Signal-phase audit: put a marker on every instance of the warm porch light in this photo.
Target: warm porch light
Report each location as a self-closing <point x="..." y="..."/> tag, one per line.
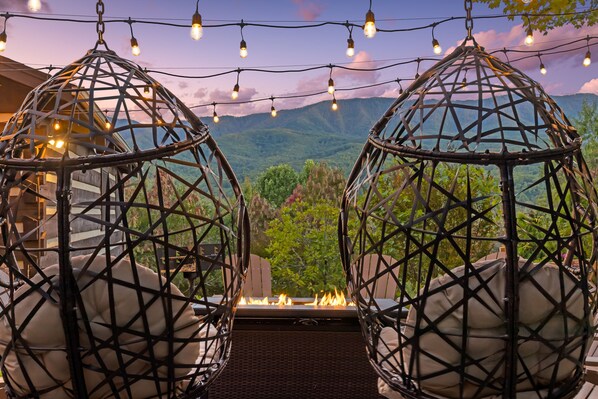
<point x="243" y="49"/>
<point x="369" y="29"/>
<point x="135" y="47"/>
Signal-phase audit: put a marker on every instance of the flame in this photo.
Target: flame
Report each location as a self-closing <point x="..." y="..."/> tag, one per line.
<point x="328" y="299"/>
<point x="338" y="299"/>
<point x="283" y="300"/>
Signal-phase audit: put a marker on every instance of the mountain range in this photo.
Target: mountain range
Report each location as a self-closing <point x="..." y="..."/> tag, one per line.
<point x="254" y="142"/>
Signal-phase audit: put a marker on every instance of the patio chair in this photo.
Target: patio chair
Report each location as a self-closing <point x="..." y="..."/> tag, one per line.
<point x="258" y="281"/>
<point x="385" y="283"/>
<point x="101" y="314"/>
<point x="474" y="156"/>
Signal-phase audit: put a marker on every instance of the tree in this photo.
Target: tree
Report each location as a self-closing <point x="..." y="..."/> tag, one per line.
<point x="323" y="184"/>
<point x="586" y="124"/>
<point x="277" y="183"/>
<point x="544" y="23"/>
<point x="261" y="214"/>
<point x="303" y="249"/>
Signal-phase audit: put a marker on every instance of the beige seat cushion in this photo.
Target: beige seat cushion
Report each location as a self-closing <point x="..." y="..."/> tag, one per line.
<point x="43" y="334"/>
<point x="485" y="344"/>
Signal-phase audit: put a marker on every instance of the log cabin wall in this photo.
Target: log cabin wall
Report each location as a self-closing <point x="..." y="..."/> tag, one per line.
<point x="34" y="202"/>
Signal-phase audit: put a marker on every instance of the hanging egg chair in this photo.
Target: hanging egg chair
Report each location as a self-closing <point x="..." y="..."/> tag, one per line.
<point x="112" y="190"/>
<point x="473" y="182"/>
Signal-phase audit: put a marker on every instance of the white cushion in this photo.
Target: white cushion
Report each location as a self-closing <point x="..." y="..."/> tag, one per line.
<point x="485" y="330"/>
<point x="45" y="336"/>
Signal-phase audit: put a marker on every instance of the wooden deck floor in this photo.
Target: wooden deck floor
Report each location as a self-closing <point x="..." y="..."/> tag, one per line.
<point x="589" y="390"/>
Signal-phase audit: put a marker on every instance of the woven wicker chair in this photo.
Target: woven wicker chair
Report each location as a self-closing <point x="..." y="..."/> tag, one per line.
<point x="103" y="171"/>
<point x="474" y="156"/>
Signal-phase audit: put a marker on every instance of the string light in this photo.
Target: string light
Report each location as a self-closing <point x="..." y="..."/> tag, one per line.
<point x="419" y="60"/>
<point x="529" y="37"/>
<point x="135" y="50"/>
<point x="146" y="91"/>
<point x="350" y="43"/>
<point x="330" y="83"/>
<point x="56" y="125"/>
<point x="400" y="86"/>
<point x="334" y="104"/>
<point x="3" y="35"/>
<point x="542" y="67"/>
<point x="243" y="46"/>
<point x="34" y="5"/>
<point x="369" y="28"/>
<point x="196" y="28"/>
<point x="107" y="124"/>
<point x="435" y="45"/>
<point x="235" y="93"/>
<point x="588" y="58"/>
<point x="215" y="116"/>
<point x="272" y="109"/>
<point x="464" y="81"/>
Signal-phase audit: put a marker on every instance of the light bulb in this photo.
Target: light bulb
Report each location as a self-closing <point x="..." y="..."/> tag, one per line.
<point x="350" y="47"/>
<point x="146" y="91"/>
<point x="57" y="125"/>
<point x="273" y="112"/>
<point x="196" y="28"/>
<point x="34" y="5"/>
<point x="59" y="143"/>
<point x="108" y="125"/>
<point x="216" y="118"/>
<point x="464" y="84"/>
<point x="542" y="69"/>
<point x="588" y="59"/>
<point x="334" y="105"/>
<point x="436" y="46"/>
<point x="235" y="93"/>
<point x="529" y="38"/>
<point x="51" y="142"/>
<point x="330" y="86"/>
<point x="243" y="49"/>
<point x="2" y="41"/>
<point x="135" y="47"/>
<point x="369" y="29"/>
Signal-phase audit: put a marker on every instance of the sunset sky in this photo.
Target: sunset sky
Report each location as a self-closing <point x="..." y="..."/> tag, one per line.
<point x="41" y="43"/>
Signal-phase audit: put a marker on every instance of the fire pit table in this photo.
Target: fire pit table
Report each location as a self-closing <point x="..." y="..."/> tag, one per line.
<point x="297" y="351"/>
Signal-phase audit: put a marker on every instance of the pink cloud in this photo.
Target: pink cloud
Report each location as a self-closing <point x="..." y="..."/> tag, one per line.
<point x="343" y="77"/>
<point x="308" y="10"/>
<point x="200" y="93"/>
<point x="590" y="87"/>
<point x="513" y="39"/>
<point x="245" y="94"/>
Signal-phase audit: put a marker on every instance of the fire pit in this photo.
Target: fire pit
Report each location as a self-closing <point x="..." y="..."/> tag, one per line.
<point x="295" y="348"/>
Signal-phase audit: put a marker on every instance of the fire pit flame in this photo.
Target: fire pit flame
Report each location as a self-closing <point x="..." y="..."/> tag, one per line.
<point x="328" y="299"/>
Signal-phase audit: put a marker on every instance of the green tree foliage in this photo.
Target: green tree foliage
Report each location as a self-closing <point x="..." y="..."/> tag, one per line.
<point x="261" y="213"/>
<point x="303" y="247"/>
<point x="277" y="183"/>
<point x="304" y="251"/>
<point x="323" y="184"/>
<point x="544" y="23"/>
<point x="586" y="124"/>
<point x="428" y="210"/>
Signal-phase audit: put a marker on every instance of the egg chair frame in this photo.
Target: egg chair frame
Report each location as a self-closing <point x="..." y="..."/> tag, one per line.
<point x="105" y="149"/>
<point x="468" y="124"/>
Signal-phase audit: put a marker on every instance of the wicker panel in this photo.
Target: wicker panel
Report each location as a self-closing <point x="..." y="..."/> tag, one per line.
<point x="296" y="363"/>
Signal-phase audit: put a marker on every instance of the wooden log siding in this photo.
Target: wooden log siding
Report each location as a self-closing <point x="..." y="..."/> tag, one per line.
<point x="86" y="234"/>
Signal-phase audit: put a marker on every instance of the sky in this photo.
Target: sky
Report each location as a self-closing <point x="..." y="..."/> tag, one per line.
<point x="42" y="43"/>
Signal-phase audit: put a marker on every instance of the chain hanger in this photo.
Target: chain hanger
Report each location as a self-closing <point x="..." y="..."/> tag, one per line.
<point x="100" y="25"/>
<point x="468" y="19"/>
